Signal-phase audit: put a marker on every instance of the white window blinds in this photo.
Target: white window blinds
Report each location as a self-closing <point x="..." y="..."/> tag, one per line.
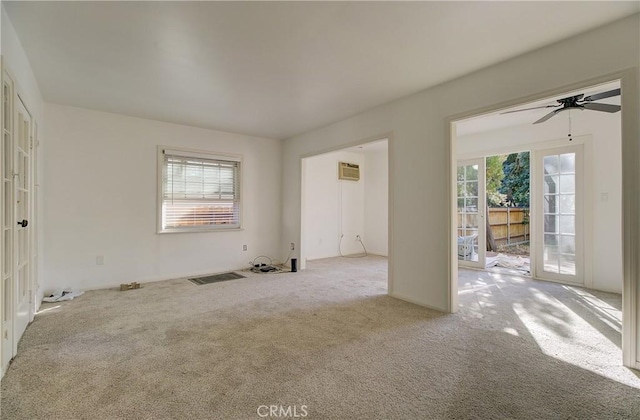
<point x="199" y="192"/>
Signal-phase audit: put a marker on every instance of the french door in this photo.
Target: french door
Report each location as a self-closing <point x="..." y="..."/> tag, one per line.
<point x="560" y="214"/>
<point x="17" y="291"/>
<point x="471" y="200"/>
<point x="7" y="224"/>
<point x="22" y="202"/>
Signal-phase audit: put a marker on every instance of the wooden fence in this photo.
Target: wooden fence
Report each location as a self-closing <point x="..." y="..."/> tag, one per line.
<point x="509" y="225"/>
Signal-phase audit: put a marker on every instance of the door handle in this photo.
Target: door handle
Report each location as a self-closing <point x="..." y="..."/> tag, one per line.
<point x="23" y="223"/>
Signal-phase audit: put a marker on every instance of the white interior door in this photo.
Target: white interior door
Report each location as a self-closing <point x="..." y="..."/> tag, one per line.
<point x="560" y="214"/>
<point x="7" y="224"/>
<point x="22" y="238"/>
<point x="471" y="198"/>
<point x="17" y="194"/>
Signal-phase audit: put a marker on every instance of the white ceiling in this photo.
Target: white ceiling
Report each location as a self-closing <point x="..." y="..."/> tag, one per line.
<point x="276" y="69"/>
<point x="371" y="147"/>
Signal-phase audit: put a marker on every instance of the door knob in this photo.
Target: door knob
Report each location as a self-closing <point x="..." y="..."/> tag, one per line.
<point x="23" y="223"/>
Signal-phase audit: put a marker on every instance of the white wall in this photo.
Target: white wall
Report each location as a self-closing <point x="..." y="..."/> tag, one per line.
<point x="16" y="62"/>
<point x="422" y="245"/>
<point x="332" y="207"/>
<point x="101" y="200"/>
<point x="376" y="201"/>
<point x="605" y="177"/>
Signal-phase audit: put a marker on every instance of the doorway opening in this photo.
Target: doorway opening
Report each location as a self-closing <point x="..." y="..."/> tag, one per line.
<point x="508" y="192"/>
<point x="494" y="190"/>
<point x="558" y="180"/>
<point x="345" y="203"/>
<point x="571" y="216"/>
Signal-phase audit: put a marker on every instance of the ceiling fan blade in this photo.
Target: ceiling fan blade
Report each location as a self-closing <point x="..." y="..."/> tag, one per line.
<point x="527" y="109"/>
<point x="602" y="95"/>
<point x="602" y="107"/>
<point x="549" y="115"/>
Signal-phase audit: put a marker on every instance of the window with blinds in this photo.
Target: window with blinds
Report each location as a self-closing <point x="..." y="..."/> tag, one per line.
<point x="199" y="191"/>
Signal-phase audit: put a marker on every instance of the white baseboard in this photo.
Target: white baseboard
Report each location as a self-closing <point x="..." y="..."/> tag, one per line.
<point x="416" y="302"/>
<point x="111" y="285"/>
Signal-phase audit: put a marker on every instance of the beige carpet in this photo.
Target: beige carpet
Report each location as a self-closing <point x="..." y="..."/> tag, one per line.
<point x="328" y="339"/>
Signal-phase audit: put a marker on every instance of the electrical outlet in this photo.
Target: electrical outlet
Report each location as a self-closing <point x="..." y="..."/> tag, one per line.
<point x="293" y="246"/>
<point x="244" y="247"/>
<point x="100" y="260"/>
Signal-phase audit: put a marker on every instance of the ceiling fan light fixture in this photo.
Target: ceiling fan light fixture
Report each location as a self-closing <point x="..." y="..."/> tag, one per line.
<point x="577" y="102"/>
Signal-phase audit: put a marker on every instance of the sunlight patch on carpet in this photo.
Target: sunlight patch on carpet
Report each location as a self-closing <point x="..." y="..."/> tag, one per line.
<point x="574" y="336"/>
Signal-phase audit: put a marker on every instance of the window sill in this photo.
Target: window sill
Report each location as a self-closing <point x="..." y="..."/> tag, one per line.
<point x="199" y="230"/>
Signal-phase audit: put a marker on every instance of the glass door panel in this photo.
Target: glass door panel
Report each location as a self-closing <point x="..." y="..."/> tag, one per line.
<point x="470" y="212"/>
<point x="560" y="251"/>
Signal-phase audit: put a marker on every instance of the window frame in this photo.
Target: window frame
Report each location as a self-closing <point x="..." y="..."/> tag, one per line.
<point x="160" y="229"/>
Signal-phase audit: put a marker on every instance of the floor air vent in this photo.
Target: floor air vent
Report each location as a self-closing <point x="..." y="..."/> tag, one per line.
<point x="216" y="278"/>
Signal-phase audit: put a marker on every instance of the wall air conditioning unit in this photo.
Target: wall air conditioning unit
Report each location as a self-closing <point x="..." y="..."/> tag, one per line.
<point x="348" y="171"/>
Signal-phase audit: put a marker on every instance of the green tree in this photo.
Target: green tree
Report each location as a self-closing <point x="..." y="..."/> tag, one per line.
<point x="515" y="183"/>
<point x="495" y="175"/>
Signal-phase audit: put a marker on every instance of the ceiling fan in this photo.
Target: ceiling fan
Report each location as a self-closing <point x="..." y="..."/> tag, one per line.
<point x="577" y="102"/>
